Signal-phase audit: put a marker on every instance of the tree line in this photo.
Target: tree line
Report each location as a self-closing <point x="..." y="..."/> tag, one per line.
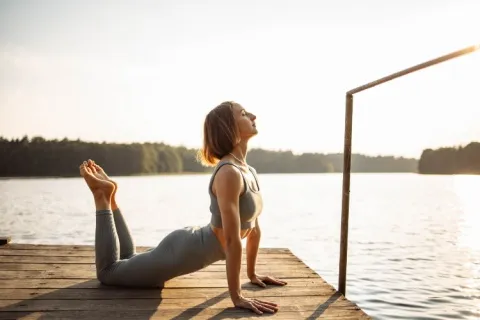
<point x="451" y="160"/>
<point x="34" y="157"/>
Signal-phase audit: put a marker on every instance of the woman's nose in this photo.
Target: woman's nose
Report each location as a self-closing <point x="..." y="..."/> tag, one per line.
<point x="252" y="116"/>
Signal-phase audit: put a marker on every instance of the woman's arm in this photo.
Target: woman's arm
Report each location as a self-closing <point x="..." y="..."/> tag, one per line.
<point x="228" y="186"/>
<point x="253" y="243"/>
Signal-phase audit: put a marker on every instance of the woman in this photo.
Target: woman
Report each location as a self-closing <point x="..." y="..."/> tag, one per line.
<point x="236" y="203"/>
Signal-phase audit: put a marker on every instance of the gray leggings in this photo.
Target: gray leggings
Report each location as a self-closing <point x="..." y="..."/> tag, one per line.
<point x="180" y="252"/>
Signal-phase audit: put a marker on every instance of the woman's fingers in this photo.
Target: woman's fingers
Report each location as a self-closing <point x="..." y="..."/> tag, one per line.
<point x="264" y="308"/>
<point x="271" y="304"/>
<point x="272" y="280"/>
<point x="258" y="306"/>
<point x="260" y="283"/>
<point x="253" y="307"/>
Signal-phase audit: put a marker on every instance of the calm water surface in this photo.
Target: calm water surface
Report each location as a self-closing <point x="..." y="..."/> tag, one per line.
<point x="414" y="241"/>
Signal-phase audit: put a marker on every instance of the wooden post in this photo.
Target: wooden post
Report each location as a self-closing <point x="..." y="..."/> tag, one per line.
<point x="347" y="159"/>
<point x="347" y="152"/>
<point x="4" y="240"/>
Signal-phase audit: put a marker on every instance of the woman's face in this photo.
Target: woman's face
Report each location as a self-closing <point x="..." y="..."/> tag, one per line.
<point x="245" y="122"/>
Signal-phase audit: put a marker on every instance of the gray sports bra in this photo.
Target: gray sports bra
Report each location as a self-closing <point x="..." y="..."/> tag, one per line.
<point x="250" y="201"/>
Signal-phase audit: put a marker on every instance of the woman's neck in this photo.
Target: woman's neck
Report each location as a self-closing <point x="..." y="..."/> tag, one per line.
<point x="240" y="152"/>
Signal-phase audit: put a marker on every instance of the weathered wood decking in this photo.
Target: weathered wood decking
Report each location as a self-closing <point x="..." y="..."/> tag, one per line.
<point x="58" y="281"/>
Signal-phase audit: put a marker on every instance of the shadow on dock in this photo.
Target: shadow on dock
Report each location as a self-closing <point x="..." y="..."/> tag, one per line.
<point x="84" y="300"/>
<point x="92" y="300"/>
<point x="324" y="306"/>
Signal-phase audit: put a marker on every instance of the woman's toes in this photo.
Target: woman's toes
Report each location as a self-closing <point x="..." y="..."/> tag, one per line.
<point x="84" y="169"/>
<point x="100" y="169"/>
<point x="91" y="165"/>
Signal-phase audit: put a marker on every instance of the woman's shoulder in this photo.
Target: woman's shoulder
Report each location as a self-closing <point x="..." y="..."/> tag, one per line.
<point x="227" y="170"/>
<point x="228" y="179"/>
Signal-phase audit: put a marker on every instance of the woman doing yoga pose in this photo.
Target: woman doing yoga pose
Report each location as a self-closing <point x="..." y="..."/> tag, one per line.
<point x="235" y="206"/>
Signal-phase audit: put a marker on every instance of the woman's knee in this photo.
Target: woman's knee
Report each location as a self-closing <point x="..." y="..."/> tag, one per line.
<point x="102" y="276"/>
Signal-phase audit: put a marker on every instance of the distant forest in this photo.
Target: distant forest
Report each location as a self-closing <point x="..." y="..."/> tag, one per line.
<point x="451" y="160"/>
<point x="35" y="157"/>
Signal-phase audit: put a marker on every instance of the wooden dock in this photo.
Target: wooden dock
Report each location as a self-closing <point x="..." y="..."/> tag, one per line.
<point x="58" y="282"/>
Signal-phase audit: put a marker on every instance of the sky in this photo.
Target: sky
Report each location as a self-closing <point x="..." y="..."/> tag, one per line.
<point x="136" y="71"/>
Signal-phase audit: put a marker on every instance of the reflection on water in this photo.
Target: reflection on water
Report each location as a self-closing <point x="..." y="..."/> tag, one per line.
<point x="467" y="192"/>
<point x="466" y="189"/>
<point x="414" y="241"/>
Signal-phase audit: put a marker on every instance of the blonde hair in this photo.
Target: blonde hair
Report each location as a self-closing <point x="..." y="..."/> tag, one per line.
<point x="220" y="134"/>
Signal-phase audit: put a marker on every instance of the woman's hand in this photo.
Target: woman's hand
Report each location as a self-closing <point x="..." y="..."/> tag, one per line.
<point x="262" y="281"/>
<point x="257" y="306"/>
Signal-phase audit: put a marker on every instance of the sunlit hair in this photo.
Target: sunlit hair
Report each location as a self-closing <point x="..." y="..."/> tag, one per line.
<point x="220" y="134"/>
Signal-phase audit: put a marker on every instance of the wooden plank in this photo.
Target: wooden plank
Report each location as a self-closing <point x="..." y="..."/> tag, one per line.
<point x="229" y="313"/>
<point x="304" y="303"/>
<point x="91" y="254"/>
<point x="22" y="246"/>
<point x="51" y="253"/>
<point x="91" y="274"/>
<point x="4" y="240"/>
<point x="165" y="293"/>
<point x="47" y="259"/>
<point x="174" y="283"/>
<point x="90" y="260"/>
<point x="79" y="268"/>
<point x="327" y="310"/>
<point x="262" y="268"/>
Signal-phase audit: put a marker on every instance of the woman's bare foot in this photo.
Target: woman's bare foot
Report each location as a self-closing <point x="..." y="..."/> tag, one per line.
<point x="102" y="175"/>
<point x="102" y="190"/>
<point x="99" y="172"/>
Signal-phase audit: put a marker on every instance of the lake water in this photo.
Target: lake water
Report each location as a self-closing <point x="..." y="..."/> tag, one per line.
<point x="414" y="241"/>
